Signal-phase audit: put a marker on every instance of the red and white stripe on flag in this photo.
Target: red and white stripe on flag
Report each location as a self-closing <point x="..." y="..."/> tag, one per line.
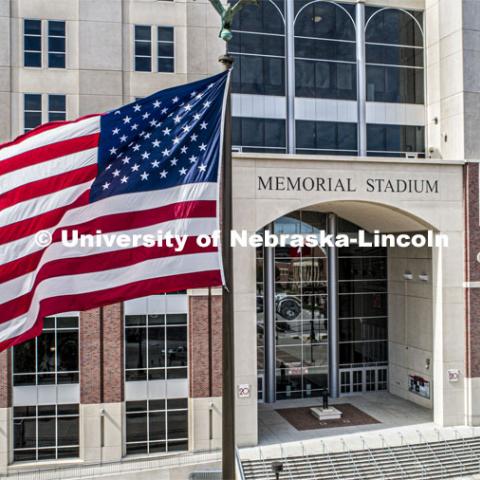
<point x="45" y="182"/>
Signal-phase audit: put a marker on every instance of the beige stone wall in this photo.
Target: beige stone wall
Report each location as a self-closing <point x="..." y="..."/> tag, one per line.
<point x="383" y="210"/>
<point x="410" y="321"/>
<point x="100" y="56"/>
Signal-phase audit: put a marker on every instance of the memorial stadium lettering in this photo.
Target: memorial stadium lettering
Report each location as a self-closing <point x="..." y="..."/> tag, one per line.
<point x="347" y="185"/>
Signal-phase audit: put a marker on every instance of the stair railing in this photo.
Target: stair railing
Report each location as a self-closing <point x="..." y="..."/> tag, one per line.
<point x="372" y="457"/>
<point x="414" y="455"/>
<point x="264" y="463"/>
<point x="286" y="463"/>
<point x="307" y="458"/>
<point x="334" y="470"/>
<point x="352" y="461"/>
<point x="466" y="444"/>
<point x="450" y="449"/>
<point x="432" y="451"/>
<point x="392" y="454"/>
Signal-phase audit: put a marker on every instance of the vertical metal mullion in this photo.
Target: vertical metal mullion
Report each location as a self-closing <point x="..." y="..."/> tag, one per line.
<point x="361" y="79"/>
<point x="290" y="73"/>
<point x="269" y="321"/>
<point x="332" y="282"/>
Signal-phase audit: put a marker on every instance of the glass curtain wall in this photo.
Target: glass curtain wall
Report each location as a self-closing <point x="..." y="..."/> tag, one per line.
<point x="258" y="46"/>
<point x="395" y="74"/>
<point x="301" y="312"/>
<point x="44" y="432"/>
<point x="324" y="67"/>
<point x="156" y="353"/>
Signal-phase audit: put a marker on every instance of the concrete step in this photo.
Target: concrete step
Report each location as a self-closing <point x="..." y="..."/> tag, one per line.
<point x="443" y="459"/>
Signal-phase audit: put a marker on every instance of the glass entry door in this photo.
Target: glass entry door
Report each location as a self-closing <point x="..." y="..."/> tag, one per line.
<point x="360" y="380"/>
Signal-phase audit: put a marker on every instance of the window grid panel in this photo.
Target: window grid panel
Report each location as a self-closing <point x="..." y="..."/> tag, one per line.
<point x="57" y="108"/>
<point x="56" y="44"/>
<point x="325" y="62"/>
<point x="171" y="326"/>
<point x="148" y="413"/>
<point x="32" y="111"/>
<point x="32" y="43"/>
<point x="166" y="49"/>
<point x="41" y="370"/>
<point x="25" y="453"/>
<point x="143" y="48"/>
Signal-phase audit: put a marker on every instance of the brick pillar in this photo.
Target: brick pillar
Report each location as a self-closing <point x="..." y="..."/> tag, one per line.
<point x="6" y="378"/>
<point x="205" y="367"/>
<point x="472" y="269"/>
<point x="101" y="384"/>
<point x="113" y="365"/>
<point x="205" y="353"/>
<point x="90" y="357"/>
<point x="472" y="292"/>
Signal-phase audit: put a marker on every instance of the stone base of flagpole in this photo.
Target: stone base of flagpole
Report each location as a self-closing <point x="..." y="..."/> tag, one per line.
<point x="228" y="407"/>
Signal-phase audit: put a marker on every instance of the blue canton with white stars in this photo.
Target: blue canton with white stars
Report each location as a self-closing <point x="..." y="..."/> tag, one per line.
<point x="165" y="140"/>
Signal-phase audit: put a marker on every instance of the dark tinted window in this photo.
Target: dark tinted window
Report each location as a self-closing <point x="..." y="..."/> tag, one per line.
<point x="394" y="26"/>
<point x="318" y="79"/>
<point x="32" y="111"/>
<point x="32" y="43"/>
<point x="324" y="20"/>
<point x="394" y="84"/>
<point x="56" y="44"/>
<point x="259" y="134"/>
<point x="395" y="139"/>
<point x="165" y="49"/>
<point x="326" y="137"/>
<point x="143" y="48"/>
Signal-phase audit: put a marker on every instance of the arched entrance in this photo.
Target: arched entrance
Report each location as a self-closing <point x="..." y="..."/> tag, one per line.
<point x="322" y="315"/>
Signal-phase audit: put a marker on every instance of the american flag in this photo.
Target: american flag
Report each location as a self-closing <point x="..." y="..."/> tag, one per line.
<point x="149" y="166"/>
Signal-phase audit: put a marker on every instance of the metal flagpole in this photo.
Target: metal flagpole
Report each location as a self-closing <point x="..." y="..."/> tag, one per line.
<point x="228" y="352"/>
<point x="227" y="13"/>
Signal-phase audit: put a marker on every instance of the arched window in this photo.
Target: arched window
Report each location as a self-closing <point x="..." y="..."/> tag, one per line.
<point x="394" y="53"/>
<point x="258" y="46"/>
<point x="325" y="57"/>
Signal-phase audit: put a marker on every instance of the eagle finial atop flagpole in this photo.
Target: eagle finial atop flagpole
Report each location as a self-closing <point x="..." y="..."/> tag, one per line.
<point x="227" y="13"/>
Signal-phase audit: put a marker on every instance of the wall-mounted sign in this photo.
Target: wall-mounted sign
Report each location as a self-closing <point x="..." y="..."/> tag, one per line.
<point x="244" y="390"/>
<point x="419" y="386"/>
<point x="347" y="185"/>
<point x="453" y="375"/>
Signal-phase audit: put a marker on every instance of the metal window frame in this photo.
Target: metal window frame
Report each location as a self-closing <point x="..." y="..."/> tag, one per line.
<point x="48" y="51"/>
<point x="165" y="368"/>
<point x="35" y="36"/>
<point x="165" y="42"/>
<point x="55" y="447"/>
<point x="361" y="25"/>
<point x="64" y="112"/>
<point x="135" y="41"/>
<point x="25" y="129"/>
<point x="55" y="372"/>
